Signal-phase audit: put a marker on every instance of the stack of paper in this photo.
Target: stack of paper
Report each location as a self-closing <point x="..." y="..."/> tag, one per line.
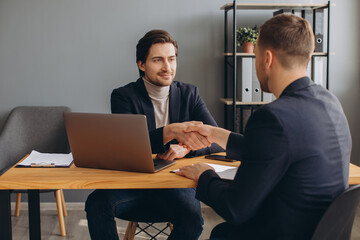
<point x="37" y="159"/>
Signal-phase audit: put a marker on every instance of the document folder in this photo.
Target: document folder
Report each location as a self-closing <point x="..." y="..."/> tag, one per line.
<point x="319" y="73"/>
<point x="308" y="15"/>
<point x="246" y="79"/>
<point x="256" y="91"/>
<point x="37" y="159"/>
<point x="267" y="97"/>
<point x="319" y="29"/>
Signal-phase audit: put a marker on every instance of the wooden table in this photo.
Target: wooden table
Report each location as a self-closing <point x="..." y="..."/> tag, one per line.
<point x="354" y="174"/>
<point x="35" y="179"/>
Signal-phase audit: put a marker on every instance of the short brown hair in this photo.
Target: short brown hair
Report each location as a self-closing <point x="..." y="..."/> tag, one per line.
<point x="290" y="37"/>
<point x="150" y="38"/>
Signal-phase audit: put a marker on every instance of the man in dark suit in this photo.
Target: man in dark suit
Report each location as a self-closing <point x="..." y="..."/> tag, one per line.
<point x="185" y="104"/>
<point x="295" y="151"/>
<point x="166" y="104"/>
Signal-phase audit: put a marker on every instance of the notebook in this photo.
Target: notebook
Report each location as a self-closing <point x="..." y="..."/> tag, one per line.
<point x="111" y="141"/>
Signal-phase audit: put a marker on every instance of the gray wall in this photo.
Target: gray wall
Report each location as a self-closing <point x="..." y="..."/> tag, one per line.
<point x="345" y="65"/>
<point x="74" y="52"/>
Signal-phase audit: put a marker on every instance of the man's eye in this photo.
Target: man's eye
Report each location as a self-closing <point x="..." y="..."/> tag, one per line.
<point x="157" y="60"/>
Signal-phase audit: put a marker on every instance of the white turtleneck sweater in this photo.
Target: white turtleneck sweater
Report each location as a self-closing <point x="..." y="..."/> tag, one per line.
<point x="159" y="96"/>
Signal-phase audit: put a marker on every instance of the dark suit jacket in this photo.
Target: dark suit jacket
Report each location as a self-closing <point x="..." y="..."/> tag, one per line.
<point x="295" y="155"/>
<point x="185" y="104"/>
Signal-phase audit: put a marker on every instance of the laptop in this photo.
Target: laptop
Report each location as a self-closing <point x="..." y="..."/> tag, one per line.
<point x="111" y="141"/>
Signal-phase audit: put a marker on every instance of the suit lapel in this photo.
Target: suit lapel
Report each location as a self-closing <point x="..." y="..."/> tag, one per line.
<point x="146" y="104"/>
<point x="174" y="103"/>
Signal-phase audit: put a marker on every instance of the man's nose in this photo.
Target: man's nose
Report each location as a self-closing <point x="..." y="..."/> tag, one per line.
<point x="166" y="65"/>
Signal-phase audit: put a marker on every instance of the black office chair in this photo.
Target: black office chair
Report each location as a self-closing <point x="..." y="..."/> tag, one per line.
<point x="34" y="128"/>
<point x="337" y="221"/>
<point x="150" y="226"/>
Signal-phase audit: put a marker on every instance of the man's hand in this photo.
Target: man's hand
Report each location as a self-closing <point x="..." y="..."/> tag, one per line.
<point x="211" y="133"/>
<point x="204" y="130"/>
<point x="194" y="171"/>
<point x="175" y="151"/>
<point x="192" y="140"/>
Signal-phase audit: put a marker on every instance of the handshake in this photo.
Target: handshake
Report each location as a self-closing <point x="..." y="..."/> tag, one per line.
<point x="192" y="135"/>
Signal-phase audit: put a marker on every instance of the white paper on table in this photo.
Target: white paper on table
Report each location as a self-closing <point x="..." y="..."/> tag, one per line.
<point x="45" y="159"/>
<point x="224" y="172"/>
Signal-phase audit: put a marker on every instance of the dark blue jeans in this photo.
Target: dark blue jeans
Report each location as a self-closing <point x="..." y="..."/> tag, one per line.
<point x="177" y="206"/>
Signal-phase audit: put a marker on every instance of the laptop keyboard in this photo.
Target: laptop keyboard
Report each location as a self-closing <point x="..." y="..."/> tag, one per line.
<point x="160" y="163"/>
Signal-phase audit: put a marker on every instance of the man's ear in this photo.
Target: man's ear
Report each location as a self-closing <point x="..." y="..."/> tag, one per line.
<point x="141" y="66"/>
<point x="269" y="59"/>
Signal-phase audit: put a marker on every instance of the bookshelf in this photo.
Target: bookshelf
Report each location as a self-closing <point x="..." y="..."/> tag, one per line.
<point x="234" y="108"/>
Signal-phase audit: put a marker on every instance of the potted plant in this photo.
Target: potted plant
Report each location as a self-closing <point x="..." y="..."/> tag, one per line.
<point x="246" y="37"/>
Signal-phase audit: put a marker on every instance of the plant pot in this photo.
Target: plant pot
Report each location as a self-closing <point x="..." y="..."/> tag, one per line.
<point x="248" y="47"/>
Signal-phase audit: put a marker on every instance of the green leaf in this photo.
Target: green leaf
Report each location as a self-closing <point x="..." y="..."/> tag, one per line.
<point x="247" y="34"/>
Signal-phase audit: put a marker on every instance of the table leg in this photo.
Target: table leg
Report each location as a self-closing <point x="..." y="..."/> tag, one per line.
<point x="34" y="214"/>
<point x="5" y="215"/>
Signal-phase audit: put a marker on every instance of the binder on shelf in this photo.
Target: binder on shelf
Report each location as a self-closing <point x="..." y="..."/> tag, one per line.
<point x="319" y="28"/>
<point x="281" y="11"/>
<point x="238" y="120"/>
<point x="246" y="114"/>
<point x="319" y="65"/>
<point x="308" y="15"/>
<point x="243" y="114"/>
<point x="246" y="79"/>
<point x="267" y="97"/>
<point x="297" y="13"/>
<point x="256" y="90"/>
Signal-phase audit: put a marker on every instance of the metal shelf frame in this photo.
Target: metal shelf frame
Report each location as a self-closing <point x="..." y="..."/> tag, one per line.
<point x="230" y="54"/>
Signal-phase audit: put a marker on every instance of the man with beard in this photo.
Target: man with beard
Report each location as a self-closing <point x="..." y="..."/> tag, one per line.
<point x="166" y="103"/>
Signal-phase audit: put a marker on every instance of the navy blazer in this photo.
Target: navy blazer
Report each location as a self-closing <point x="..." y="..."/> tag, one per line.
<point x="295" y="155"/>
<point x="185" y="104"/>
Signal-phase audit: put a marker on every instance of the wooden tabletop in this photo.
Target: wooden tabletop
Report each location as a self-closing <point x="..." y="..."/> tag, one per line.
<point x="354" y="174"/>
<point x="87" y="178"/>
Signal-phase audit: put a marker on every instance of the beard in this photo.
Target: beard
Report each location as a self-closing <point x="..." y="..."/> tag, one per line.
<point x="264" y="84"/>
<point x="263" y="79"/>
